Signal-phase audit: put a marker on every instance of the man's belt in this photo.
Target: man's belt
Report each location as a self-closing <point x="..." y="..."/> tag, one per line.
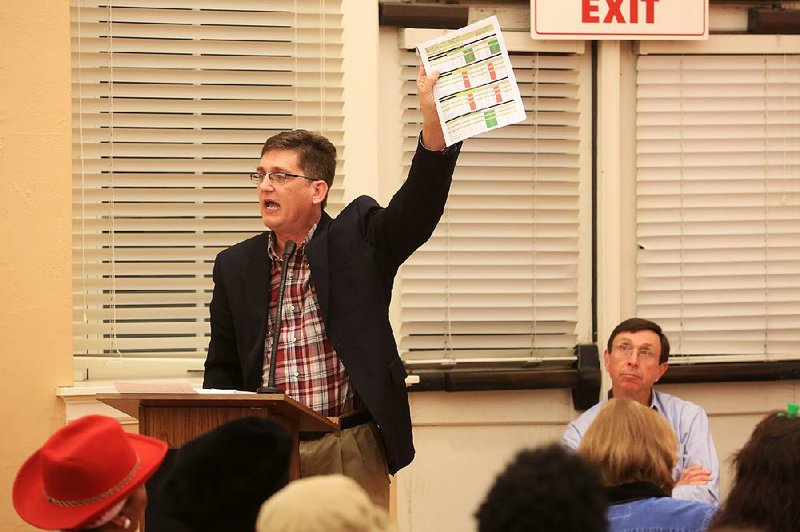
<point x="347" y="421"/>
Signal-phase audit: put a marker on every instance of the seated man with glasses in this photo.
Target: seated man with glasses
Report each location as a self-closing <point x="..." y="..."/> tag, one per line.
<point x="636" y="357"/>
<point x="334" y="348"/>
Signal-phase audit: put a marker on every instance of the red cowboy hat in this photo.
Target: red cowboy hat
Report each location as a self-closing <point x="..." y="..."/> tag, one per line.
<point x="84" y="469"/>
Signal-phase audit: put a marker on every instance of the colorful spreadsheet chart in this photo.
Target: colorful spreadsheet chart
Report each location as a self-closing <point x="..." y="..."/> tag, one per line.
<point x="476" y="90"/>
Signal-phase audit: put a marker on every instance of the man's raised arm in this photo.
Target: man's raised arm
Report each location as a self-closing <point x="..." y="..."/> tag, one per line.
<point x="432" y="134"/>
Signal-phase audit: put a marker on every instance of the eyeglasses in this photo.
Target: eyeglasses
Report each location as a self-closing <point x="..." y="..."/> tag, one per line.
<point x="626" y="350"/>
<point x="277" y="178"/>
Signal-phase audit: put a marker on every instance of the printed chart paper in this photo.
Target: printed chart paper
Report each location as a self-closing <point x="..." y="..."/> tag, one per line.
<point x="476" y="90"/>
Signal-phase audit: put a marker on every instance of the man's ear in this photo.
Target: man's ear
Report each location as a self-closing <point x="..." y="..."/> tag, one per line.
<point x="661" y="370"/>
<point x="320" y="192"/>
<point x="605" y="359"/>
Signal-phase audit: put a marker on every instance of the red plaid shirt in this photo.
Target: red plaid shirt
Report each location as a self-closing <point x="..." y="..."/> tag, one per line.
<point x="306" y="366"/>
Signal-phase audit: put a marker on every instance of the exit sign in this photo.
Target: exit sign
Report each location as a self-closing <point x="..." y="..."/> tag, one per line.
<point x="619" y="19"/>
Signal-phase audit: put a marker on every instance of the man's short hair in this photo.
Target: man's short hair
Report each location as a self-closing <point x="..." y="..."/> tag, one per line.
<point x="315" y="153"/>
<point x="633" y="325"/>
<point x="545" y="489"/>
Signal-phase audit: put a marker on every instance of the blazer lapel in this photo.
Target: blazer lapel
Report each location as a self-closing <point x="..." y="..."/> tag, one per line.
<point x="317" y="255"/>
<point x="256" y="280"/>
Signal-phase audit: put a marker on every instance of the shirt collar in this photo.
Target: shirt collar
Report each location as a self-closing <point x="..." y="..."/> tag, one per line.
<point x="653" y="403"/>
<point x="271" y="242"/>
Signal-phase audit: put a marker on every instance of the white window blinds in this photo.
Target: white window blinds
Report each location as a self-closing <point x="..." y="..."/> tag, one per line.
<point x="172" y="100"/>
<point x="498" y="282"/>
<point x="718" y="203"/>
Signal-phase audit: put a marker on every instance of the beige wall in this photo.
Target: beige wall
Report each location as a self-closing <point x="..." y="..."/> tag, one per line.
<point x="35" y="231"/>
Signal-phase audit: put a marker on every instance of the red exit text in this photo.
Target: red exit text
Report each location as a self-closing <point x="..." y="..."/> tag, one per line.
<point x="618" y="10"/>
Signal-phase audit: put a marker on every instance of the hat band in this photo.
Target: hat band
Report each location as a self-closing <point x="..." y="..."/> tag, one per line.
<point x="110" y="491"/>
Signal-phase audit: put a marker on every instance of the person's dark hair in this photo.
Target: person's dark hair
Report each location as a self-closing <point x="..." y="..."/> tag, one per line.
<point x="219" y="480"/>
<point x="315" y="153"/>
<point x="633" y="325"/>
<point x="546" y="489"/>
<point x="765" y="488"/>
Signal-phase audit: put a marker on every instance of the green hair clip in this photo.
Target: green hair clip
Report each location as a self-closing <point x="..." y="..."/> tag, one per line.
<point x="791" y="411"/>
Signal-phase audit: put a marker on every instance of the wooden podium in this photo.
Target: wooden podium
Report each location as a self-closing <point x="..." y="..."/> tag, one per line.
<point x="178" y="417"/>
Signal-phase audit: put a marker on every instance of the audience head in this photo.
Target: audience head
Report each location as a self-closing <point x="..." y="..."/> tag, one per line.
<point x="634" y="325"/>
<point x="327" y="503"/>
<point x="219" y="480"/>
<point x="630" y="442"/>
<point x="549" y="489"/>
<point x="636" y="358"/>
<point x="89" y="475"/>
<point x="765" y="488"/>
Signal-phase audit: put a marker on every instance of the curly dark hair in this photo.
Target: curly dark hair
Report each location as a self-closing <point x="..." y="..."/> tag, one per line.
<point x="315" y="153"/>
<point x="765" y="489"/>
<point x="549" y="489"/>
<point x="633" y="325"/>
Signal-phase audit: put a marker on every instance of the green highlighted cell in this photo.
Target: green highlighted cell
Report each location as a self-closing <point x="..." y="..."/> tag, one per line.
<point x="469" y="55"/>
<point x="490" y="117"/>
<point x="494" y="46"/>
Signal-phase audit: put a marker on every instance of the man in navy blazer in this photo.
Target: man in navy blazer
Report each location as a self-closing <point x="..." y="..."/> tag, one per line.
<point x="347" y="364"/>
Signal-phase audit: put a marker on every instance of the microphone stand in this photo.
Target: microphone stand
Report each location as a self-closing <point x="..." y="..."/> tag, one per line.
<point x="288" y="251"/>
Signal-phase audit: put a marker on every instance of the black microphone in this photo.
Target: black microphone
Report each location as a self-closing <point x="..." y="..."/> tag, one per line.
<point x="288" y="251"/>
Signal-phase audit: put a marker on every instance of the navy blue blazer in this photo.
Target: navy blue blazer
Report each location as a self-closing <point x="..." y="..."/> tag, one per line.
<point x="353" y="259"/>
